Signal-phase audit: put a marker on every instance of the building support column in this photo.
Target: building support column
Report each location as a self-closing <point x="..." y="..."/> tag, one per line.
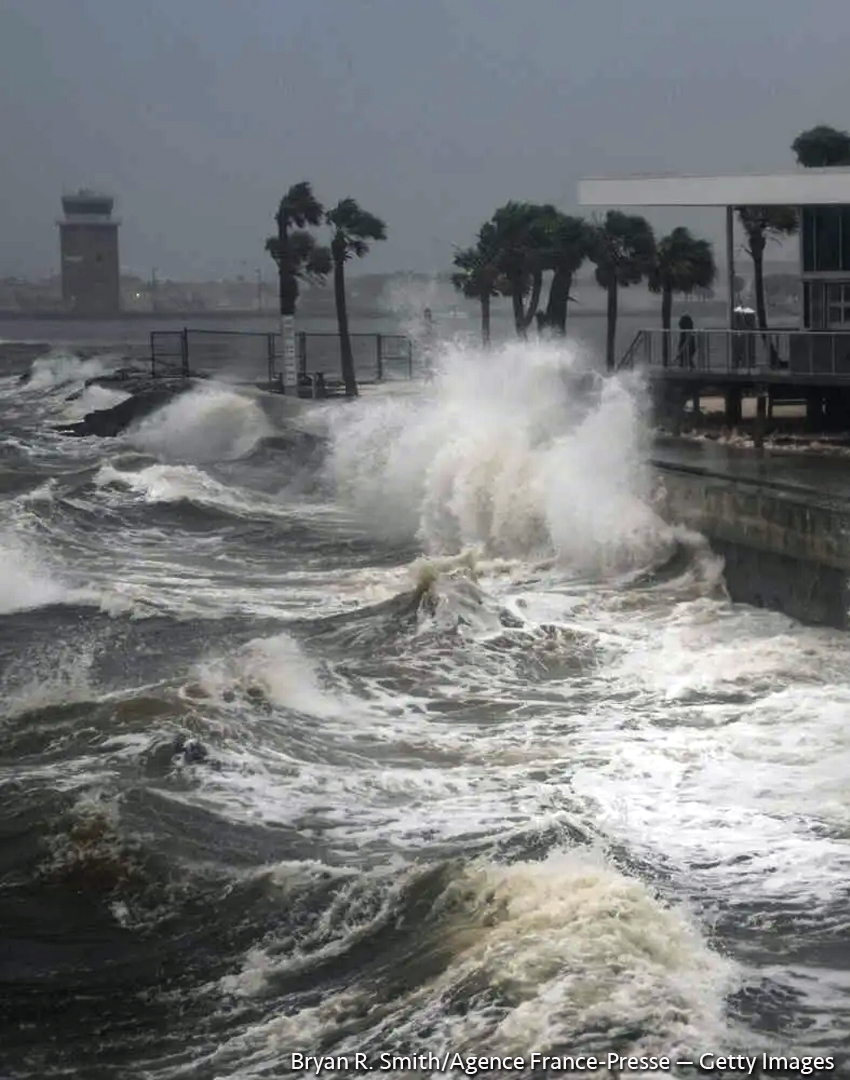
<point x="761" y="416"/>
<point x="814" y="410"/>
<point x="733" y="406"/>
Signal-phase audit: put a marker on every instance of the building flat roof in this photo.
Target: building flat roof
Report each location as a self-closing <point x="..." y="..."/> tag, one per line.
<point x="804" y="187"/>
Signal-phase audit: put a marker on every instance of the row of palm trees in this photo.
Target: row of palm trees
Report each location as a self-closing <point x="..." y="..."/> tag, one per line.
<point x="523" y="241"/>
<point x="301" y="258"/>
<point x="513" y="251"/>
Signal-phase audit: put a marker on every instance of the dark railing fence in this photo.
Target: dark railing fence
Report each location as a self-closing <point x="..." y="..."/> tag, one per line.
<point x="255" y="355"/>
<point x="169" y="353"/>
<point x="795" y="352"/>
<point x="376" y="356"/>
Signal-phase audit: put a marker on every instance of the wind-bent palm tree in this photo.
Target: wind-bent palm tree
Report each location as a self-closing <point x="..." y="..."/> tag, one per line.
<point x="569" y="243"/>
<point x="761" y="223"/>
<point x="352" y="228"/>
<point x="623" y="248"/>
<point x="297" y="255"/>
<point x="478" y="275"/>
<point x="521" y="236"/>
<point x="683" y="264"/>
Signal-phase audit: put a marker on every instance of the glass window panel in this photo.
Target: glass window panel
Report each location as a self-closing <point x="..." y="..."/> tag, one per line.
<point x="808" y="239"/>
<point x="817" y="305"/>
<point x="827" y="239"/>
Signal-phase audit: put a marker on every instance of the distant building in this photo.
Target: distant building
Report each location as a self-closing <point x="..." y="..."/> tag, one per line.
<point x="89" y="246"/>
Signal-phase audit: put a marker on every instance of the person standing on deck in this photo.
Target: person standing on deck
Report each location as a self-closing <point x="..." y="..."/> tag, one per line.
<point x="687" y="341"/>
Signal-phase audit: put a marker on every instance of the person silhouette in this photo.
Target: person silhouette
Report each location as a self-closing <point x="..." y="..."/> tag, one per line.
<point x="687" y="341"/>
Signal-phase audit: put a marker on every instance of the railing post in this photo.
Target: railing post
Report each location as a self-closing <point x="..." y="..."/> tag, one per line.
<point x="302" y="352"/>
<point x="153" y="354"/>
<point x="270" y="356"/>
<point x="184" y="353"/>
<point x="379" y="355"/>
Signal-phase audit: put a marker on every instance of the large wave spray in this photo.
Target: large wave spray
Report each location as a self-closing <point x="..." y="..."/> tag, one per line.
<point x="210" y="423"/>
<point x="520" y="451"/>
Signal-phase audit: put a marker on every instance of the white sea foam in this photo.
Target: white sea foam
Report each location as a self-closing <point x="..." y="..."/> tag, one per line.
<point x="60" y="368"/>
<point x="58" y="675"/>
<point x="504" y="452"/>
<point x="92" y="399"/>
<point x="26" y="579"/>
<point x="174" y="483"/>
<point x="536" y="952"/>
<point x="209" y="423"/>
<point x="275" y="667"/>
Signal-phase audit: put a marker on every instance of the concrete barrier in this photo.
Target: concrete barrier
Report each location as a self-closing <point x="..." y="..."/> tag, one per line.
<point x="785" y="547"/>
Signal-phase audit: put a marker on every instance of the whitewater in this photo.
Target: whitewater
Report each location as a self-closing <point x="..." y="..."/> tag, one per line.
<point x="399" y="729"/>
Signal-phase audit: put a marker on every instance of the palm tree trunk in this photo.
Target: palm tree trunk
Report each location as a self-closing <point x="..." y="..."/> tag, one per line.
<point x="345" y="353"/>
<point x="611" y="335"/>
<point x="534" y="300"/>
<point x="758" y="286"/>
<point x="757" y="253"/>
<point x="288" y="292"/>
<point x="559" y="295"/>
<point x="516" y="303"/>
<point x="666" y="312"/>
<point x="485" y="320"/>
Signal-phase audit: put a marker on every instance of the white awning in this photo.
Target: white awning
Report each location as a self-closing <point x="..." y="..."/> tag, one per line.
<point x="805" y="187"/>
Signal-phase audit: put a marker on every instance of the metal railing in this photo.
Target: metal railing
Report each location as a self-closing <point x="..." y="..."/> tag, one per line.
<point x="169" y="354"/>
<point x="376" y="356"/>
<point x="720" y="351"/>
<point x="253" y="355"/>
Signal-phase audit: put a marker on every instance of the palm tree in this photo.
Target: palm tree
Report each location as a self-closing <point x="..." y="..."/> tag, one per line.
<point x="297" y="255"/>
<point x="569" y="242"/>
<point x="521" y="236"/>
<point x="623" y="248"/>
<point x="683" y="264"/>
<point x="761" y="223"/>
<point x="352" y="228"/>
<point x="821" y="147"/>
<point x="479" y="276"/>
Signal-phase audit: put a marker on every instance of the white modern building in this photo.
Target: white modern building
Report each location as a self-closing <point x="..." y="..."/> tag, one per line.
<point x="821" y="196"/>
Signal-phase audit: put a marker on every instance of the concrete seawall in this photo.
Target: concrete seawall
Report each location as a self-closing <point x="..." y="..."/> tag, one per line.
<point x="785" y="547"/>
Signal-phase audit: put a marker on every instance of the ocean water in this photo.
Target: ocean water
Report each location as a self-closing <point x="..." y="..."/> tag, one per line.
<point x="398" y="727"/>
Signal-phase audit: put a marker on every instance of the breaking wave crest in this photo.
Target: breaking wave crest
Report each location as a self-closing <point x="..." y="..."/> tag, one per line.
<point x="26" y="582"/>
<point x="62" y="368"/>
<point x="210" y="423"/>
<point x="519" y="451"/>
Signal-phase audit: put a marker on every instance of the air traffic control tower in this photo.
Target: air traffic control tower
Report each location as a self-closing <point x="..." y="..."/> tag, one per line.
<point x="89" y="246"/>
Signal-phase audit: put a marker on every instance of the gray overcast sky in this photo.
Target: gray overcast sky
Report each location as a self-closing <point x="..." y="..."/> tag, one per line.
<point x="197" y="114"/>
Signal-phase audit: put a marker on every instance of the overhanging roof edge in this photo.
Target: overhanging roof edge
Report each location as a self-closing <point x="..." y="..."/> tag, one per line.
<point x="804" y="187"/>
